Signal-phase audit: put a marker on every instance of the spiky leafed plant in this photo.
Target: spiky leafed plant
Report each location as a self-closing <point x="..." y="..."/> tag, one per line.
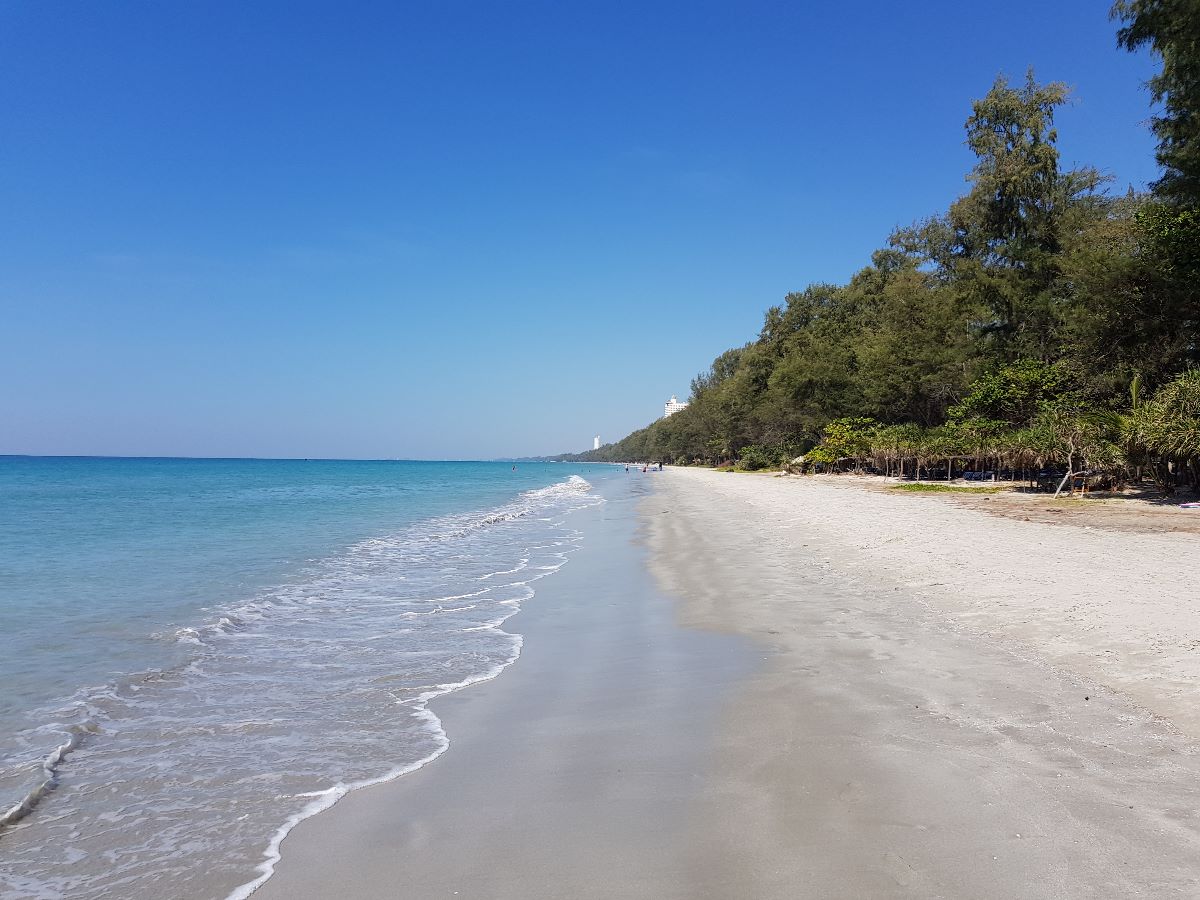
<point x="1027" y="449"/>
<point x="1081" y="440"/>
<point x="1169" y="426"/>
<point x="1133" y="427"/>
<point x="1173" y="418"/>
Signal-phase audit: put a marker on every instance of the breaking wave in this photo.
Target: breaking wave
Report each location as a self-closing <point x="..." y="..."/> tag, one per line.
<point x="283" y="704"/>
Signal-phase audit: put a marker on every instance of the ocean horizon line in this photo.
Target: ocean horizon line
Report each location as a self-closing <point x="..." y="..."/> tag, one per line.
<point x="497" y="459"/>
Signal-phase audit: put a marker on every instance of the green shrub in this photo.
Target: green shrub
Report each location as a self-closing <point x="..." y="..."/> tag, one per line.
<point x="753" y="458"/>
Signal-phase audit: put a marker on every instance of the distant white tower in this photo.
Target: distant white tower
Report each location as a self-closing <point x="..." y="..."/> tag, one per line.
<point x="673" y="406"/>
<point x="596" y="442"/>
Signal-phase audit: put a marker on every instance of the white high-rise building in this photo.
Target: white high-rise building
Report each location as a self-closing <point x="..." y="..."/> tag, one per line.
<point x="673" y="406"/>
<point x="596" y="442"/>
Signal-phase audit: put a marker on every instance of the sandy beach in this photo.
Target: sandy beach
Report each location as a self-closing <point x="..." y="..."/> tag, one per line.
<point x="745" y="686"/>
<point x="572" y="774"/>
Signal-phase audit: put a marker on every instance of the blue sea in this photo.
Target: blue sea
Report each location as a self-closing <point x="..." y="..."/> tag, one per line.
<point x="197" y="654"/>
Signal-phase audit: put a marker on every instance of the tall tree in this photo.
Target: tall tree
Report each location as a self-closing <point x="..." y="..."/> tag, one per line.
<point x="1171" y="29"/>
<point x="1132" y="305"/>
<point x="1000" y="243"/>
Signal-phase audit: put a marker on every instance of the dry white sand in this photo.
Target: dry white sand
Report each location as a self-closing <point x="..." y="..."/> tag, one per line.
<point x="1121" y="608"/>
<point x="953" y="704"/>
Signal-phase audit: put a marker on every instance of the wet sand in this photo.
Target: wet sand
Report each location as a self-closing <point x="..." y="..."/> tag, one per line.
<point x="570" y="775"/>
<point x="814" y="696"/>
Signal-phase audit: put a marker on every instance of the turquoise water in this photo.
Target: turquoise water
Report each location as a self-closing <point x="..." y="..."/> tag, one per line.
<point x="197" y="653"/>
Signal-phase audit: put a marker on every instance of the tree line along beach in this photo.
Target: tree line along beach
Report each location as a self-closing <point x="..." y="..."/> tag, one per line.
<point x="1043" y="323"/>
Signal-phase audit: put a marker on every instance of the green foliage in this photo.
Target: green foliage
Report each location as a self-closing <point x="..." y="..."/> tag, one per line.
<point x="1173" y="233"/>
<point x="1010" y="214"/>
<point x="1170" y="420"/>
<point x="1006" y="331"/>
<point x="1015" y="393"/>
<point x="1079" y="439"/>
<point x="848" y="438"/>
<point x="1128" y="303"/>
<point x="753" y="458"/>
<point x="998" y="246"/>
<point x="821" y="456"/>
<point x="1171" y="29"/>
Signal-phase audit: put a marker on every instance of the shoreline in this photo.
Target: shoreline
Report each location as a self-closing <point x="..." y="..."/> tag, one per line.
<point x="584" y="752"/>
<point x="858" y="705"/>
<point x="282" y="698"/>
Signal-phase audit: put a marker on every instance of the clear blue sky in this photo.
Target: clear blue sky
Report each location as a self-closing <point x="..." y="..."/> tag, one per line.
<point x="463" y="230"/>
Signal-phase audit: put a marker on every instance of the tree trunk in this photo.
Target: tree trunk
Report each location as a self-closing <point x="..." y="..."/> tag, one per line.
<point x="1070" y="472"/>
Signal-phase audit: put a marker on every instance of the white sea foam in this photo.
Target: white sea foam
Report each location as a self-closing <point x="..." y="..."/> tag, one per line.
<point x="287" y="704"/>
<point x="322" y="800"/>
